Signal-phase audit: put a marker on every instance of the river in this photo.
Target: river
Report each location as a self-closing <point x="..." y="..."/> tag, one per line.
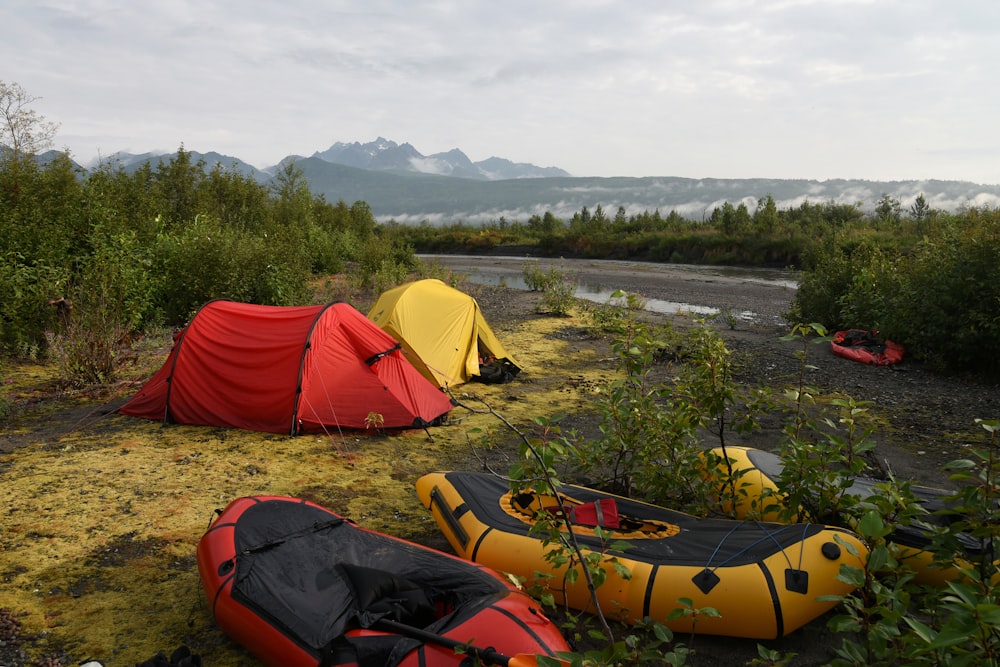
<point x="749" y="294"/>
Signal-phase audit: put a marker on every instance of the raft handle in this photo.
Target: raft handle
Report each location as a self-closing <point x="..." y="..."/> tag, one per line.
<point x="226" y="567"/>
<point x="797" y="581"/>
<point x="449" y="516"/>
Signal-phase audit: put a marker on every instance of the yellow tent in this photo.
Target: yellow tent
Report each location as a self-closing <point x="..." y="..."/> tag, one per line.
<point x="443" y="333"/>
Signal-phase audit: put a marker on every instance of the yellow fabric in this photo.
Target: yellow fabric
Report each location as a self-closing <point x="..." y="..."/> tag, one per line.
<point x="440" y="328"/>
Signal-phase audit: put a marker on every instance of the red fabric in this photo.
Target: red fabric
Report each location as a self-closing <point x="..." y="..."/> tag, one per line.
<point x="603" y="513"/>
<point x="238" y="365"/>
<point x="866" y="347"/>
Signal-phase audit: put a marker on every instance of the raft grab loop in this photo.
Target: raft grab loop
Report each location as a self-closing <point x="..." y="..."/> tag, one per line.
<point x="796" y="578"/>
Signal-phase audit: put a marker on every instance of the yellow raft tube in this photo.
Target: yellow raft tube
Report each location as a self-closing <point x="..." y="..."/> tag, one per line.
<point x="757" y="473"/>
<point x="764" y="579"/>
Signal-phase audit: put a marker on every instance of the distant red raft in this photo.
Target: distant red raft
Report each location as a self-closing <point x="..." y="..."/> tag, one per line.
<point x="866" y="347"/>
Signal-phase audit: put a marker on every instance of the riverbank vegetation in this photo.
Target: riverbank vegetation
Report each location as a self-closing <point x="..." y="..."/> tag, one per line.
<point x="91" y="260"/>
<point x="926" y="278"/>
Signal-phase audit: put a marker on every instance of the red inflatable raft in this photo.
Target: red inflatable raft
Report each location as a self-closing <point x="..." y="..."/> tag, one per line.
<point x="297" y="584"/>
<point x="866" y="347"/>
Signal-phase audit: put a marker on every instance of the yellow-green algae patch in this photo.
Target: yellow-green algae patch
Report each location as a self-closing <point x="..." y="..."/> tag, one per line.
<point x="98" y="543"/>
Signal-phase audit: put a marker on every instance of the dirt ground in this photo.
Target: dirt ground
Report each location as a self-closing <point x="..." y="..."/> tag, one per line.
<point x="103" y="511"/>
<point x="926" y="419"/>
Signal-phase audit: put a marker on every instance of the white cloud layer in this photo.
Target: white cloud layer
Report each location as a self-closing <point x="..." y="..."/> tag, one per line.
<point x="880" y="90"/>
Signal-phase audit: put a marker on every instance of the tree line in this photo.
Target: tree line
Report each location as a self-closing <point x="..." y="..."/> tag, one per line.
<point x="926" y="278"/>
<point x="135" y="249"/>
<point x="123" y="252"/>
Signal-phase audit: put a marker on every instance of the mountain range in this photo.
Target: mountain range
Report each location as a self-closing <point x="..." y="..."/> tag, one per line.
<point x="399" y="183"/>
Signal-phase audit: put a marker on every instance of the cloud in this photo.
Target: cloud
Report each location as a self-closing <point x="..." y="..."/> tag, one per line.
<point x="723" y="88"/>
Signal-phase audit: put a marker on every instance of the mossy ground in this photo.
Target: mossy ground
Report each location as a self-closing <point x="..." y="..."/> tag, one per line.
<point x="97" y="548"/>
<point x="104" y="512"/>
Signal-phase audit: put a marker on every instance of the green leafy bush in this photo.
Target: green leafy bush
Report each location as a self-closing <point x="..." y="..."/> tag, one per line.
<point x="557" y="287"/>
<point x="25" y="311"/>
<point x="940" y="298"/>
<point x="949" y="307"/>
<point x="384" y="262"/>
<point x="206" y="260"/>
<point x="675" y="390"/>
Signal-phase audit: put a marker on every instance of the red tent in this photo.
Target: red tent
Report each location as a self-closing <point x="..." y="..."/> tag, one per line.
<point x="287" y="370"/>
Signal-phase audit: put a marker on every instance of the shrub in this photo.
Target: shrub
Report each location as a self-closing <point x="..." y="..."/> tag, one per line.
<point x="206" y="260"/>
<point x="653" y="430"/>
<point x="949" y="306"/>
<point x="613" y="317"/>
<point x="8" y="407"/>
<point x="557" y="287"/>
<point x="88" y="350"/>
<point x="109" y="304"/>
<point x="939" y="297"/>
<point x="25" y="312"/>
<point x="435" y="269"/>
<point x="891" y="621"/>
<point x="558" y="298"/>
<point x="384" y="262"/>
<point x="830" y="275"/>
<point x="328" y="251"/>
<point x="535" y="279"/>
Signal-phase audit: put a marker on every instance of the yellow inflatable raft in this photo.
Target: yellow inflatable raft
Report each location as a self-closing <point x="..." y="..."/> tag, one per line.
<point x="764" y="579"/>
<point x="757" y="472"/>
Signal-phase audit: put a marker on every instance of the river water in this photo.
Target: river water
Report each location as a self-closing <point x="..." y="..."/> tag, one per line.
<point x="703" y="290"/>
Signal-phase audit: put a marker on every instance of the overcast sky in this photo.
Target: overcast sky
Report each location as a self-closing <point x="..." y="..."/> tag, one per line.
<point x="874" y="89"/>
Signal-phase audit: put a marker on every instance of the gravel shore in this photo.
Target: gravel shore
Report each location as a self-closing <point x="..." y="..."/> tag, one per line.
<point x="926" y="418"/>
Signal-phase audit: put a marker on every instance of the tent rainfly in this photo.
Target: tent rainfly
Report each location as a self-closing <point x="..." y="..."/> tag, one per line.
<point x="292" y="370"/>
<point x="443" y="332"/>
